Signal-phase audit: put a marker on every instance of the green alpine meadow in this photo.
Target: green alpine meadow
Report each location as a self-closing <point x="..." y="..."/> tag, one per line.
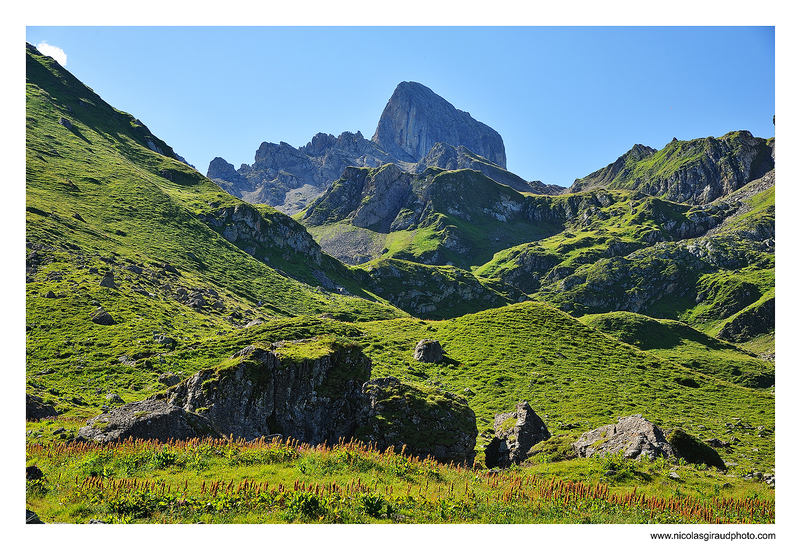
<point x="423" y="339"/>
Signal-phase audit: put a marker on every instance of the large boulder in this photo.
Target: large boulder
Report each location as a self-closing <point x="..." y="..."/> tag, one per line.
<point x="634" y="436"/>
<point x="307" y="389"/>
<point x="108" y="280"/>
<point x="149" y="419"/>
<point x="427" y="422"/>
<point x="36" y="408"/>
<point x="102" y="317"/>
<point x="695" y="451"/>
<point x="428" y="351"/>
<point x="515" y="433"/>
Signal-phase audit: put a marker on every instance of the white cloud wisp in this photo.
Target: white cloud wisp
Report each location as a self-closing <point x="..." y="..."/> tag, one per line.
<point x="54" y="52"/>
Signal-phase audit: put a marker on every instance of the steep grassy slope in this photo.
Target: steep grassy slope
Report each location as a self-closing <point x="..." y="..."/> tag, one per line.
<point x="186" y="259"/>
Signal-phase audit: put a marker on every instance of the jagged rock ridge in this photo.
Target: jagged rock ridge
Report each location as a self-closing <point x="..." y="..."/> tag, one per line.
<point x="288" y="178"/>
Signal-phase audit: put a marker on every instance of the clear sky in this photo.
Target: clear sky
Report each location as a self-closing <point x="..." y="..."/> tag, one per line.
<point x="566" y="100"/>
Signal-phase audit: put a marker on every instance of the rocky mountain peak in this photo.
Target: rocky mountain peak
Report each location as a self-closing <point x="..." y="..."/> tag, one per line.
<point x="222" y="169"/>
<point x="415" y="119"/>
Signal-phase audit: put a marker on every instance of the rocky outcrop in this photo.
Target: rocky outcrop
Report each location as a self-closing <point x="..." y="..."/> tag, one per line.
<point x="415" y="119"/>
<point x="633" y="436"/>
<point x="308" y="390"/>
<point x="313" y="391"/>
<point x="433" y="292"/>
<point x="750" y="322"/>
<point x="425" y="422"/>
<point x="254" y="232"/>
<point x="366" y="198"/>
<point x="515" y="433"/>
<point x="695" y="172"/>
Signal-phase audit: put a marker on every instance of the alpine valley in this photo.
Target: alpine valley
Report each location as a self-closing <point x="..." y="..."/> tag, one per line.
<point x="393" y="330"/>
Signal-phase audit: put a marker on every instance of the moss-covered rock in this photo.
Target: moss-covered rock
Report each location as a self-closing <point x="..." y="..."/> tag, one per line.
<point x="693" y="450"/>
<point x="306" y="389"/>
<point x="427" y="422"/>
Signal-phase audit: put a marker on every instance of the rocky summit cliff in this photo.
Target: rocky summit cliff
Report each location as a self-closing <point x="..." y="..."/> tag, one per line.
<point x="417" y="129"/>
<point x="416" y="119"/>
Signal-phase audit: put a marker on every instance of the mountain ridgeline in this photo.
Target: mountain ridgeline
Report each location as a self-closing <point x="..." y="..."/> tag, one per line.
<point x="417" y="129"/>
<point x="694" y="172"/>
<point x="647" y="288"/>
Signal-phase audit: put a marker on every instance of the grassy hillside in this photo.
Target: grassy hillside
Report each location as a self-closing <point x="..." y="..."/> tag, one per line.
<point x="143" y="217"/>
<point x="574" y="376"/>
<point x="679" y="343"/>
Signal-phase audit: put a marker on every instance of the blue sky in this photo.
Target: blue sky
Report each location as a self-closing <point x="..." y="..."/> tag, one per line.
<point x="566" y="100"/>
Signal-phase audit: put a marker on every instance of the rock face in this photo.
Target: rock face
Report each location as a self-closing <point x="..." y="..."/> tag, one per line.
<point x="415" y="119"/>
<point x="426" y="423"/>
<point x="428" y="351"/>
<point x="313" y="399"/>
<point x="367" y="198"/>
<point x="247" y="228"/>
<point x="514" y="434"/>
<point x="634" y="436"/>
